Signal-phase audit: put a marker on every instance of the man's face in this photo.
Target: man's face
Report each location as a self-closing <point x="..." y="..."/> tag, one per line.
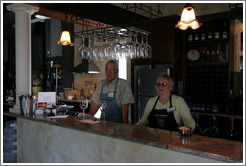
<point x="110" y="72"/>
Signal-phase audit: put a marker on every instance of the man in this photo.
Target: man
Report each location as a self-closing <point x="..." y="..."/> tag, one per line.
<point x="116" y="92"/>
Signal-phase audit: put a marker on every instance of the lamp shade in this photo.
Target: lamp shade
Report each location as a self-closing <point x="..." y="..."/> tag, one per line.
<point x="188" y="18"/>
<point x="65" y="39"/>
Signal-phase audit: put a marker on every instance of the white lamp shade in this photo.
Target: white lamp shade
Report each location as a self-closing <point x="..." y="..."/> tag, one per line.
<point x="65" y="39"/>
<point x="188" y="19"/>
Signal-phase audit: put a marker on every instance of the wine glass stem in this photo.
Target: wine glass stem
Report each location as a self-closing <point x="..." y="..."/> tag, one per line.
<point x="83" y="113"/>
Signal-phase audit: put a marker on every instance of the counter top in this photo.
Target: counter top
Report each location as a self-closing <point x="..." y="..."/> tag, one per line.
<point x="72" y="101"/>
<point x="213" y="148"/>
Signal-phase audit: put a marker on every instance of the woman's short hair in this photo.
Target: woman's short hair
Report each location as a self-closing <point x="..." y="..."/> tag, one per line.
<point x="169" y="79"/>
<point x="113" y="62"/>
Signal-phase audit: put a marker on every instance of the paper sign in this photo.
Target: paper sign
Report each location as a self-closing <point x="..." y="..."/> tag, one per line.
<point x="48" y="97"/>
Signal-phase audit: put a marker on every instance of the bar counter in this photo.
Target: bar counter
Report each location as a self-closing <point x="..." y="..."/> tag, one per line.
<point x="43" y="140"/>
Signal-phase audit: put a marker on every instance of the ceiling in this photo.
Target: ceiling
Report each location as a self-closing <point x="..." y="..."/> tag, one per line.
<point x="112" y="13"/>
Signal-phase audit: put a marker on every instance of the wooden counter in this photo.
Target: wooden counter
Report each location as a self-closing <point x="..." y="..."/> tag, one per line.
<point x="42" y="140"/>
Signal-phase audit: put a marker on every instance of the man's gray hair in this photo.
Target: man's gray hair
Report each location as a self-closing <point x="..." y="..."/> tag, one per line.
<point x="113" y="62"/>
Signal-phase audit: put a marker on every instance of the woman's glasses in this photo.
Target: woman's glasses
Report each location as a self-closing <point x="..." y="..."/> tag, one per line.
<point x="162" y="85"/>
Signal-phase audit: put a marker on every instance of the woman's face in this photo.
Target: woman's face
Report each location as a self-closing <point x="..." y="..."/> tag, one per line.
<point x="163" y="87"/>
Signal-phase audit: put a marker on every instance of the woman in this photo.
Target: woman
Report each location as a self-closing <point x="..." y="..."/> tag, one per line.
<point x="166" y="111"/>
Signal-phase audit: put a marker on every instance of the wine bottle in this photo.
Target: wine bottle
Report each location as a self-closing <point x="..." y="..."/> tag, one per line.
<point x="240" y="103"/>
<point x="190" y="35"/>
<point x="203" y="35"/>
<point x="207" y="56"/>
<point x="224" y="33"/>
<point x="216" y="33"/>
<point x="231" y="103"/>
<point x="212" y="56"/>
<point x="213" y="129"/>
<point x="198" y="129"/>
<point x="233" y="133"/>
<point x="210" y="33"/>
<point x="196" y="36"/>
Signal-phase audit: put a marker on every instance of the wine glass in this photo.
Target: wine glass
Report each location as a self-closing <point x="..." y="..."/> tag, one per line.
<point x="83" y="105"/>
<point x="89" y="49"/>
<point x="116" y="46"/>
<point x="142" y="47"/>
<point x="104" y="109"/>
<point x="148" y="48"/>
<point x="130" y="48"/>
<point x="137" y="46"/>
<point x="82" y="49"/>
<point x="96" y="47"/>
<point x="124" y="50"/>
<point x="105" y="47"/>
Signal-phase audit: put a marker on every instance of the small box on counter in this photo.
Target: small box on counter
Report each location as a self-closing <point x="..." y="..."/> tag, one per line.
<point x="39" y="111"/>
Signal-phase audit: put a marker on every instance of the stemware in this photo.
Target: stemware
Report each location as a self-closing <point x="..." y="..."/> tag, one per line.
<point x="142" y="48"/>
<point x="83" y="105"/>
<point x="96" y="46"/>
<point x="148" y="48"/>
<point x="90" y="48"/>
<point x="124" y="53"/>
<point x="105" y="47"/>
<point x="101" y="44"/>
<point x="115" y="49"/>
<point x="137" y="46"/>
<point x="83" y="48"/>
<point x="131" y="48"/>
<point x="104" y="109"/>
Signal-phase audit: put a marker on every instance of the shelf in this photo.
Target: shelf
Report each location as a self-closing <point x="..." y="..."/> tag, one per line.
<point x="208" y="41"/>
<point x="206" y="63"/>
<point x="217" y="115"/>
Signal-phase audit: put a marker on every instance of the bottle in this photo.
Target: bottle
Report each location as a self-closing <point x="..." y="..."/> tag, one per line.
<point x="203" y="35"/>
<point x="208" y="56"/>
<point x="217" y="32"/>
<point x="218" y="56"/>
<point x="212" y="56"/>
<point x="239" y="103"/>
<point x="196" y="36"/>
<point x="10" y="96"/>
<point x="213" y="132"/>
<point x="231" y="103"/>
<point x="208" y="106"/>
<point x="210" y="33"/>
<point x="224" y="33"/>
<point x="215" y="107"/>
<point x="190" y="35"/>
<point x="233" y="132"/>
<point x="7" y="97"/>
<point x="198" y="129"/>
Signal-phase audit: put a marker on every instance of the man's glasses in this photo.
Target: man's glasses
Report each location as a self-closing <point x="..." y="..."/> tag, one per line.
<point x="162" y="85"/>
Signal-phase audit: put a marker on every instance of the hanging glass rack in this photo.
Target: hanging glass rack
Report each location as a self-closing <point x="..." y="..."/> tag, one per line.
<point x="104" y="41"/>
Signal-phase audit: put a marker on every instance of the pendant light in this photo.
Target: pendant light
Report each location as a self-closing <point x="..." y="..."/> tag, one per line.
<point x="65" y="36"/>
<point x="188" y="18"/>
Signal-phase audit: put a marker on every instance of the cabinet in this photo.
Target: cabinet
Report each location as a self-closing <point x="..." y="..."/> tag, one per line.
<point x="208" y="66"/>
<point x="167" y="45"/>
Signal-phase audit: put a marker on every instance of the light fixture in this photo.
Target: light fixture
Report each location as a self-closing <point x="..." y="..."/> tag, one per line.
<point x="188" y="18"/>
<point x="65" y="36"/>
<point x="65" y="39"/>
